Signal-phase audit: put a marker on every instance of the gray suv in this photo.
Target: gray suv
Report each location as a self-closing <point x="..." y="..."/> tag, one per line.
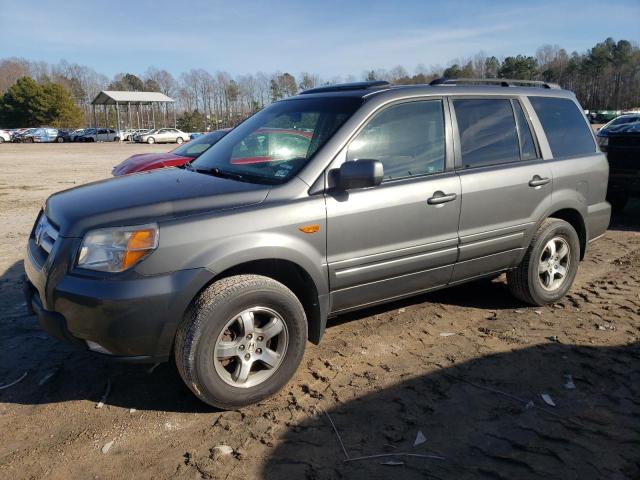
<point x="337" y="199"/>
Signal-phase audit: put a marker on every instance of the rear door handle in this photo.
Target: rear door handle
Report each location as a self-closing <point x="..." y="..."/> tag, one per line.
<point x="538" y="181"/>
<point x="440" y="197"/>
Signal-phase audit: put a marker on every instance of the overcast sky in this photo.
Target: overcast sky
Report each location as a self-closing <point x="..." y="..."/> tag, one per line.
<point x="326" y="37"/>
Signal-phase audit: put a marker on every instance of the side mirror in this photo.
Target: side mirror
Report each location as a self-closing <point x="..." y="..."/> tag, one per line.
<point x="360" y="174"/>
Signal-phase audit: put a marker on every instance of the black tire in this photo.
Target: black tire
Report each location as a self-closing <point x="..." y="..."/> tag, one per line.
<point x="204" y="322"/>
<point x="524" y="281"/>
<point x="618" y="201"/>
<point x="60" y="139"/>
<point x="1" y="140"/>
<point x="179" y="140"/>
<point x="151" y="140"/>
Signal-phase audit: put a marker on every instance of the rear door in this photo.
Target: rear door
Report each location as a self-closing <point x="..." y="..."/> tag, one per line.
<point x="400" y="237"/>
<point x="506" y="185"/>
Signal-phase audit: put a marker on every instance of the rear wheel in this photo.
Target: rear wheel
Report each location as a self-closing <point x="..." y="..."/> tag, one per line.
<point x="179" y="140"/>
<point x="60" y="140"/>
<point x="242" y="341"/>
<point x="549" y="266"/>
<point x="1" y="140"/>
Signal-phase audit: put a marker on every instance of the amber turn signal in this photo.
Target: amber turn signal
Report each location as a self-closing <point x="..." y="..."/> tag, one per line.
<point x="309" y="228"/>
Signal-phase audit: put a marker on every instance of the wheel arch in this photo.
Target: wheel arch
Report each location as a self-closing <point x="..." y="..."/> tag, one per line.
<point x="574" y="218"/>
<point x="294" y="277"/>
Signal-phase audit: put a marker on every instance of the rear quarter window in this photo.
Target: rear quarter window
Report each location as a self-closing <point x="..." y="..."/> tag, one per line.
<point x="564" y="125"/>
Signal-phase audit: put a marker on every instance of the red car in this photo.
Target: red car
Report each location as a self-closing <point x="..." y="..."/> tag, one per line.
<point x="176" y="157"/>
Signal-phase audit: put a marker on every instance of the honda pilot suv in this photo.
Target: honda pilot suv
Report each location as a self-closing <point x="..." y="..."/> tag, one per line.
<point x="231" y="263"/>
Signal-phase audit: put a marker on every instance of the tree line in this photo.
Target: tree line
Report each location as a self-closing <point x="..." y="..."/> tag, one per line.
<point x="606" y="76"/>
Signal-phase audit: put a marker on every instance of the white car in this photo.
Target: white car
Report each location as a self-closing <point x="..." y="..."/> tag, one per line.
<point x="4" y="136"/>
<point x="126" y="134"/>
<point x="163" y="135"/>
<point x="100" y="135"/>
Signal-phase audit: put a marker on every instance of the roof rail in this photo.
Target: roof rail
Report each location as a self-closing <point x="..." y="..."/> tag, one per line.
<point x="503" y="82"/>
<point x="341" y="87"/>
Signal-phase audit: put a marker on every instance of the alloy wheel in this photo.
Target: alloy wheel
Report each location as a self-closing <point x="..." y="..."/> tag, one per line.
<point x="251" y="347"/>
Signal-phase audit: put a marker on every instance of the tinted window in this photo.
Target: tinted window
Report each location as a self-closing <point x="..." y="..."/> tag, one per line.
<point x="527" y="144"/>
<point x="408" y="139"/>
<point x="488" y="133"/>
<point x="564" y="125"/>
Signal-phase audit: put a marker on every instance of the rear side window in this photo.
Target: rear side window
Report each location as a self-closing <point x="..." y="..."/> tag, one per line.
<point x="564" y="125"/>
<point x="488" y="134"/>
<point x="527" y="144"/>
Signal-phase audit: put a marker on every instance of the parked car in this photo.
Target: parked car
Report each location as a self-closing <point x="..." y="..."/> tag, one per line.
<point x="623" y="153"/>
<point x="230" y="267"/>
<point x="20" y="134"/>
<point x="127" y="134"/>
<point x="64" y="135"/>
<point x="163" y="135"/>
<point x="138" y="133"/>
<point x="175" y="158"/>
<point x="75" y="135"/>
<point x="615" y="125"/>
<point x="40" y="135"/>
<point x="4" y="136"/>
<point x="100" y="135"/>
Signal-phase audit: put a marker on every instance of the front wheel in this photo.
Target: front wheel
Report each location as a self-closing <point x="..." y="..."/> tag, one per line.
<point x="241" y="341"/>
<point x="60" y="140"/>
<point x="549" y="266"/>
<point x="151" y="140"/>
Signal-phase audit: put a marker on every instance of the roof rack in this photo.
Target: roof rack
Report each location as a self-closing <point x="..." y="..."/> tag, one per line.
<point x="341" y="87"/>
<point x="503" y="82"/>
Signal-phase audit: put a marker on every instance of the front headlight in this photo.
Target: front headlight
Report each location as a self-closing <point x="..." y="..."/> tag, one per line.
<point x="117" y="249"/>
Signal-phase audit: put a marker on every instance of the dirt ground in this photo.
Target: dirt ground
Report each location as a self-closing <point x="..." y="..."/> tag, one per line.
<point x="464" y="368"/>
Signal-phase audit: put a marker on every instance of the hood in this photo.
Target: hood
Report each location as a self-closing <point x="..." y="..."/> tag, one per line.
<point x="143" y="161"/>
<point x="154" y="196"/>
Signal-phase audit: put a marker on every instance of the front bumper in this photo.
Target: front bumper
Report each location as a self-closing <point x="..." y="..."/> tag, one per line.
<point x="130" y="316"/>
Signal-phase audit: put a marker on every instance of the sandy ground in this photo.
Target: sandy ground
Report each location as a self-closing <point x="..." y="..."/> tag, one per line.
<point x="466" y="367"/>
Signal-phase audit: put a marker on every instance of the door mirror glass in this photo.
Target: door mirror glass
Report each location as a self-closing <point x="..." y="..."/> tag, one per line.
<point x="360" y="174"/>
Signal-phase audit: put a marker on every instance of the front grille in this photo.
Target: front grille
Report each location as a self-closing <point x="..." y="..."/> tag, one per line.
<point x="625" y="141"/>
<point x="45" y="234"/>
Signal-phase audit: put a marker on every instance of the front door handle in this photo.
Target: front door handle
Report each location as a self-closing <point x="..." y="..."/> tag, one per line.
<point x="538" y="181"/>
<point x="440" y="197"/>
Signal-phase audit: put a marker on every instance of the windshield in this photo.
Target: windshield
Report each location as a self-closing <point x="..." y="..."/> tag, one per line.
<point x="621" y="121"/>
<point x="194" y="148"/>
<point x="274" y="144"/>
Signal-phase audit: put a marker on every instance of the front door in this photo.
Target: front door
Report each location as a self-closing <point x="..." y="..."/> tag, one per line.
<point x="506" y="185"/>
<point x="400" y="237"/>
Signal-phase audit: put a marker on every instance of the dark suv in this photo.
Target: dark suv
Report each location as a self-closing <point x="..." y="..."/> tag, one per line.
<point x="232" y="262"/>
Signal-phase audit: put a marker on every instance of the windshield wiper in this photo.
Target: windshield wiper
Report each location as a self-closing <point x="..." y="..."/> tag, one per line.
<point x="216" y="172"/>
<point x="240" y="177"/>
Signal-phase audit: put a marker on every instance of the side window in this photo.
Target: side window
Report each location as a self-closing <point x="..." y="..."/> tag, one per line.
<point x="407" y="138"/>
<point x="488" y="134"/>
<point x="528" y="149"/>
<point x="564" y="125"/>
